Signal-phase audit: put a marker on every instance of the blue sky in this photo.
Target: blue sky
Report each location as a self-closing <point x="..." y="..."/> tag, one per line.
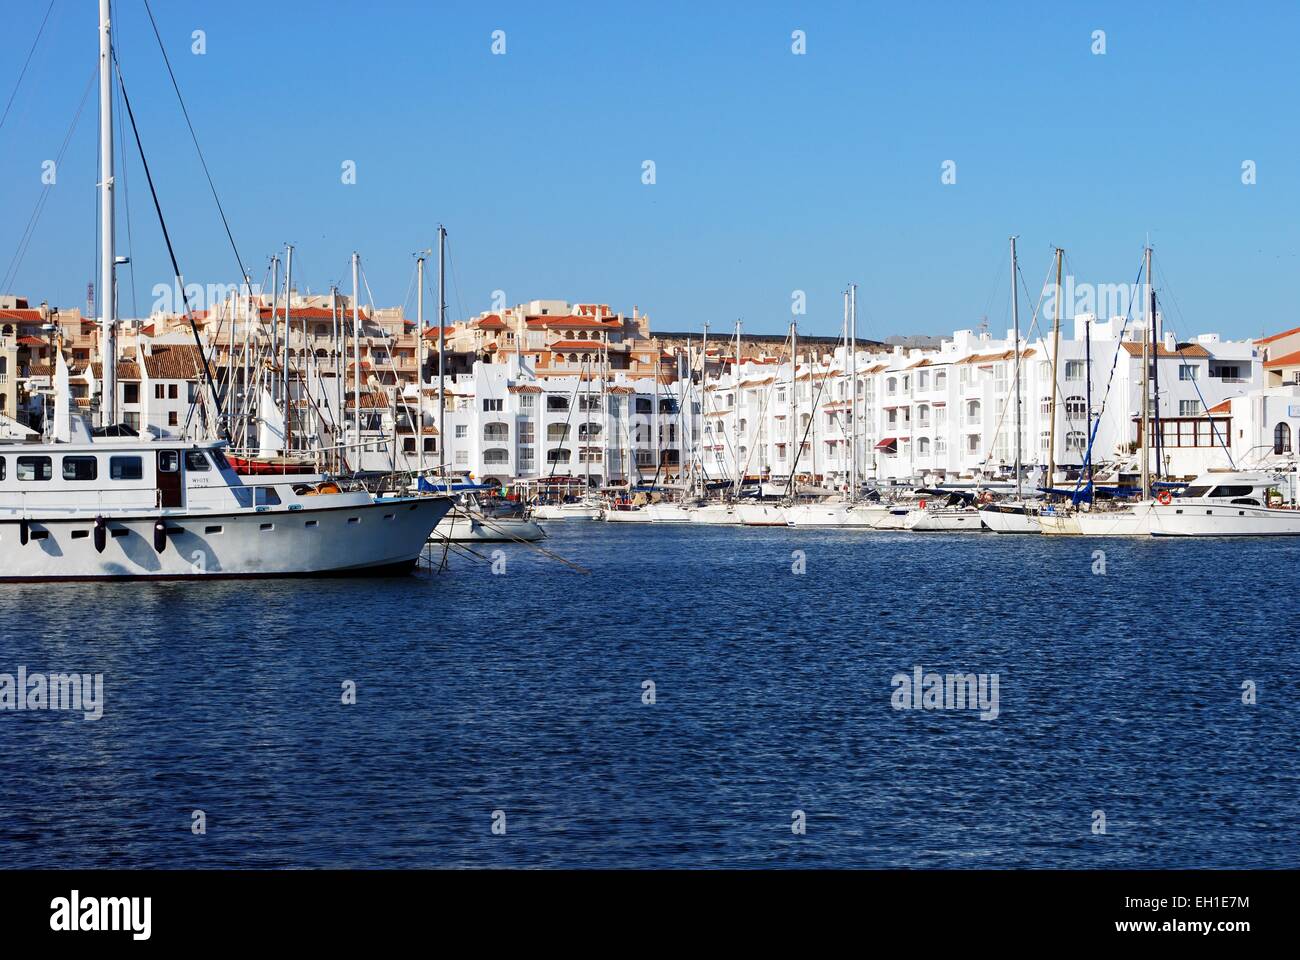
<point x="775" y="172"/>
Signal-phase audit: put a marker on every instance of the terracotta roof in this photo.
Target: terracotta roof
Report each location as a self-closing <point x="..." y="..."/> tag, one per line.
<point x="544" y="321"/>
<point x="490" y="322"/>
<point x="525" y="388"/>
<point x="173" y="362"/>
<point x="21" y="315"/>
<point x="32" y="342"/>
<point x="1278" y="336"/>
<point x="1224" y="407"/>
<point x="370" y="400"/>
<point x="574" y="344"/>
<point x="1183" y="350"/>
<point x="1286" y="360"/>
<point x="125" y="370"/>
<point x="309" y="313"/>
<point x="432" y="333"/>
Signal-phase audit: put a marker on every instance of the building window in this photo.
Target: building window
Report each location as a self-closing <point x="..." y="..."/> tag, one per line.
<point x="1189" y="408"/>
<point x="1188" y="371"/>
<point x="497" y="432"/>
<point x="172" y="392"/>
<point x="496" y="455"/>
<point x="173" y="419"/>
<point x="490" y="405"/>
<point x="1076" y="408"/>
<point x="130" y="393"/>
<point x="1282" y="438"/>
<point x="158" y="392"/>
<point x="526" y="401"/>
<point x="1076" y="440"/>
<point x="1074" y="369"/>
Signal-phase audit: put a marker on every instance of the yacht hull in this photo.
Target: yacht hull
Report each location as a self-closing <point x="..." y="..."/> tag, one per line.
<point x="1134" y="522"/>
<point x="924" y="521"/>
<point x="566" y="511"/>
<point x="1223" y="520"/>
<point x="761" y="515"/>
<point x="834" y="515"/>
<point x="719" y="514"/>
<point x="381" y="537"/>
<point x="460" y="527"/>
<point x="1015" y="520"/>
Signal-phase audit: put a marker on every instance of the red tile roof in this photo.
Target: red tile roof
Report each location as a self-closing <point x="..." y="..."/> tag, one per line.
<point x="1194" y="350"/>
<point x="1278" y="336"/>
<point x="1286" y="360"/>
<point x="21" y="315"/>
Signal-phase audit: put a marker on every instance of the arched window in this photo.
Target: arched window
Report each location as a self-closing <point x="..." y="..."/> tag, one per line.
<point x="557" y="456"/>
<point x="1076" y="440"/>
<point x="922" y="446"/>
<point x="973" y="411"/>
<point x="922" y="416"/>
<point x="496" y="455"/>
<point x="588" y="429"/>
<point x="496" y="432"/>
<point x="1282" y="438"/>
<point x="1045" y="408"/>
<point x="1075" y="408"/>
<point x="557" y="431"/>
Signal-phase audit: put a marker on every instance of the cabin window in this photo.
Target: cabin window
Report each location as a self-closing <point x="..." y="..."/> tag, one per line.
<point x="80" y="468"/>
<point x="1229" y="490"/>
<point x="126" y="468"/>
<point x="35" y="468"/>
<point x="195" y="460"/>
<point x="2" y="468"/>
<point x="169" y="461"/>
<point x="266" y="496"/>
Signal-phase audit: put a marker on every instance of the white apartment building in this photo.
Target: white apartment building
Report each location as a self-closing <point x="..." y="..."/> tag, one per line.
<point x="940" y="415"/>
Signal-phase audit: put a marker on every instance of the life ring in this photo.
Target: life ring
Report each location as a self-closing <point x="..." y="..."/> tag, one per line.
<point x="329" y="486"/>
<point x="986" y="497"/>
<point x="1165" y="497"/>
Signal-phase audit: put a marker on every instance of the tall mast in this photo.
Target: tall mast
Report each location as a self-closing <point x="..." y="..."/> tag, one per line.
<point x="704" y="405"/>
<point x="419" y="372"/>
<point x="1146" y="383"/>
<point x="339" y="419"/>
<point x="1015" y="323"/>
<point x="1056" y="354"/>
<point x="275" y="329"/>
<point x="107" y="301"/>
<point x="853" y="389"/>
<point x="735" y="384"/>
<point x="794" y="407"/>
<point x="1087" y="354"/>
<point x="356" y="356"/>
<point x="442" y="355"/>
<point x="288" y="327"/>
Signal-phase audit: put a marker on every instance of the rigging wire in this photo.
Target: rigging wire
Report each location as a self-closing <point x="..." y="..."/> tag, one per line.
<point x="24" y="242"/>
<point x="26" y="63"/>
<point x="243" y="274"/>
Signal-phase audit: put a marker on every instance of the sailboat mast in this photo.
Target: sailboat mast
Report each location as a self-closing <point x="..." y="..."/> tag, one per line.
<point x="356" y="355"/>
<point x="288" y="327"/>
<point x="419" y="372"/>
<point x="853" y="390"/>
<point x="1146" y="383"/>
<point x="107" y="301"/>
<point x="1015" y="323"/>
<point x="1056" y="356"/>
<point x="794" y="405"/>
<point x="442" y="355"/>
<point x="735" y="410"/>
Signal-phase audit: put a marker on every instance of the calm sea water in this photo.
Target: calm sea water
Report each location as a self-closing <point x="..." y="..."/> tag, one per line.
<point x="522" y="692"/>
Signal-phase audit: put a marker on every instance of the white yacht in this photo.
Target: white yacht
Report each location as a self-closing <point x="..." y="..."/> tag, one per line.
<point x="1017" y="517"/>
<point x="1229" y="504"/>
<point x="757" y="513"/>
<point x="471" y="521"/>
<point x="125" y="509"/>
<point x="587" y="508"/>
<point x="836" y="513"/>
<point x="1101" y="519"/>
<point x="109" y="505"/>
<point x="716" y="512"/>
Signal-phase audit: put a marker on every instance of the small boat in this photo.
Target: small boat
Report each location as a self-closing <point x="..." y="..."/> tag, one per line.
<point x="1228" y="504"/>
<point x="472" y="521"/>
<point x="836" y="513"/>
<point x="761" y="514"/>
<point x="717" y="512"/>
<point x="1016" y="517"/>
<point x="586" y="508"/>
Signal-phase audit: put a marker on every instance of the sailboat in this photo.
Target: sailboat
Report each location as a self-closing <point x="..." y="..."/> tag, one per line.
<point x="107" y="504"/>
<point x="1017" y="515"/>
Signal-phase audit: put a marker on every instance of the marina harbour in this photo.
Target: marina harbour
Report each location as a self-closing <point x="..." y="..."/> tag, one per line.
<point x="773" y="694"/>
